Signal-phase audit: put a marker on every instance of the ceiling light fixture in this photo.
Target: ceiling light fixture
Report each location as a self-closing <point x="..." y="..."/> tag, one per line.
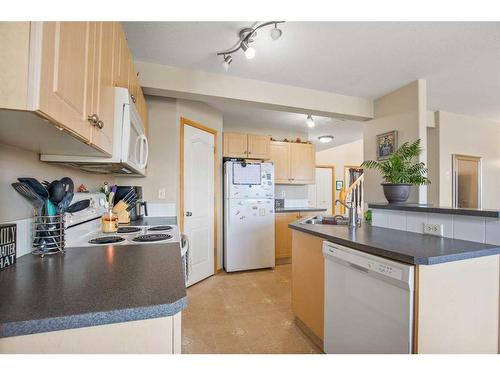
<point x="310" y="122"/>
<point x="247" y="36"/>
<point x="227" y="61"/>
<point x="249" y="51"/>
<point x="276" y="33"/>
<point x="325" y="138"/>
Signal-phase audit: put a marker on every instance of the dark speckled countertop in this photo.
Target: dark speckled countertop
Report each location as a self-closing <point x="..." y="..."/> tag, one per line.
<point x="90" y="286"/>
<point x="407" y="247"/>
<point x="300" y="209"/>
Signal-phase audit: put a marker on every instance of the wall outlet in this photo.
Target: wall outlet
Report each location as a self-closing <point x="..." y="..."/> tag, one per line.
<point x="162" y="193"/>
<point x="434" y="229"/>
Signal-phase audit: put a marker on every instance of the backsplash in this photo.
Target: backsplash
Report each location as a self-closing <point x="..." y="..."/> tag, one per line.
<point x="290" y="192"/>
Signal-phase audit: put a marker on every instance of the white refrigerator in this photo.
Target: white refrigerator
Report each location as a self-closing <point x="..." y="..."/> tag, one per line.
<point x="248" y="215"/>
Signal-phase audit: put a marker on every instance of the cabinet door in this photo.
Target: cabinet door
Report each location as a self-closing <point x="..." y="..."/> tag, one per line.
<point x="66" y="75"/>
<point x="133" y="83"/>
<point x="235" y="145"/>
<point x="302" y="166"/>
<point x="121" y="58"/>
<point x="283" y="234"/>
<point x="103" y="98"/>
<point x="258" y="146"/>
<point x="280" y="156"/>
<point x="142" y="108"/>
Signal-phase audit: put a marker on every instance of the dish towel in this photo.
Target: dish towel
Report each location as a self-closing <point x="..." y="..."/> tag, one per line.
<point x="186" y="257"/>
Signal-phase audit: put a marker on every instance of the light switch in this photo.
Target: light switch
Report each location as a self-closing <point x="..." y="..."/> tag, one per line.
<point x="162" y="193"/>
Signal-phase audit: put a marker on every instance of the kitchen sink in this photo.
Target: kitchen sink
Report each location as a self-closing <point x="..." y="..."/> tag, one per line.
<point x="327" y="220"/>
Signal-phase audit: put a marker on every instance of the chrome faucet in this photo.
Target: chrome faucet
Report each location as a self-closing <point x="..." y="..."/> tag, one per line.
<point x="353" y="213"/>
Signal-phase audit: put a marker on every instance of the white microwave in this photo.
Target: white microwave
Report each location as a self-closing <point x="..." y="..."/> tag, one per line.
<point x="130" y="144"/>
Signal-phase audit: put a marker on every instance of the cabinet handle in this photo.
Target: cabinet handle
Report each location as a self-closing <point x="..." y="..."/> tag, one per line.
<point x="93" y="119"/>
<point x="133" y="97"/>
<point x="99" y="124"/>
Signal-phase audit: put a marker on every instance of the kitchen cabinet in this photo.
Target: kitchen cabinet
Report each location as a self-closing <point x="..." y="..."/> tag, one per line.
<point x="294" y="163"/>
<point x="248" y="146"/>
<point x="63" y="74"/>
<point x="308" y="284"/>
<point x="149" y="336"/>
<point x="258" y="146"/>
<point x="283" y="234"/>
<point x="66" y="74"/>
<point x="121" y="58"/>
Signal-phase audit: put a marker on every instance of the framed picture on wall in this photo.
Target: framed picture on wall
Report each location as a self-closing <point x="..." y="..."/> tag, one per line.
<point x="387" y="143"/>
<point x="339" y="185"/>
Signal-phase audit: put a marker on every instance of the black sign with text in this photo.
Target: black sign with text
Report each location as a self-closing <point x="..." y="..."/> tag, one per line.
<point x="7" y="245"/>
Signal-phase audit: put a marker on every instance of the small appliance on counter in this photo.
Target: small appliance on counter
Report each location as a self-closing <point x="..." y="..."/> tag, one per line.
<point x="139" y="208"/>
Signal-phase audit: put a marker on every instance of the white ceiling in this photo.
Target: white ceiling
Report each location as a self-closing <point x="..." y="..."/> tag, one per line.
<point x="459" y="60"/>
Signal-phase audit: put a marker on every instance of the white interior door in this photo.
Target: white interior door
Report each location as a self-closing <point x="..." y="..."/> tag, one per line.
<point x="199" y="199"/>
<point x="320" y="194"/>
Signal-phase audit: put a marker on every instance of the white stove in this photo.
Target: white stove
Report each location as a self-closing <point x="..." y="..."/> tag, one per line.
<point x="84" y="228"/>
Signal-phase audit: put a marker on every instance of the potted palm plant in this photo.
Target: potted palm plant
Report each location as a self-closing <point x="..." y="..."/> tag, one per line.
<point x="401" y="171"/>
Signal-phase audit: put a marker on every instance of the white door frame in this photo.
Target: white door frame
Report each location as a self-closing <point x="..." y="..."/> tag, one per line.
<point x="183" y="123"/>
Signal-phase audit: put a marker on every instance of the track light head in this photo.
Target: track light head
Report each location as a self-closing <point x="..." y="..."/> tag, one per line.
<point x="276" y="33"/>
<point x="228" y="59"/>
<point x="249" y="51"/>
<point x="310" y="122"/>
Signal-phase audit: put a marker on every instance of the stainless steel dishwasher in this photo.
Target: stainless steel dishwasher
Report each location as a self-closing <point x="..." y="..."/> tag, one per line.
<point x="368" y="302"/>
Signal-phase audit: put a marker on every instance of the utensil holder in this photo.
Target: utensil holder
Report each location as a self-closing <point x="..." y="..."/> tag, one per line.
<point x="48" y="235"/>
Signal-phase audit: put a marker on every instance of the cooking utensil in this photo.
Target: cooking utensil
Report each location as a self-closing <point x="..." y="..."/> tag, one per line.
<point x="28" y="193"/>
<point x="112" y="195"/>
<point x="36" y="186"/>
<point x="78" y="206"/>
<point x="56" y="191"/>
<point x="68" y="196"/>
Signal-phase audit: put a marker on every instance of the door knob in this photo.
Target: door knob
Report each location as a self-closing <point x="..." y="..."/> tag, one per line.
<point x="189" y="213"/>
<point x="99" y="124"/>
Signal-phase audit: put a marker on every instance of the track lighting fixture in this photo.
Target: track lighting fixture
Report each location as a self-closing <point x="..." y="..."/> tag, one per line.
<point x="310" y="122"/>
<point x="276" y="33"/>
<point x="325" y="138"/>
<point x="249" y="51"/>
<point x="247" y="36"/>
<point x="227" y="61"/>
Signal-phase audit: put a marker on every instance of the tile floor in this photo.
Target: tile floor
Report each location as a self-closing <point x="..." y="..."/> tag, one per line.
<point x="244" y="312"/>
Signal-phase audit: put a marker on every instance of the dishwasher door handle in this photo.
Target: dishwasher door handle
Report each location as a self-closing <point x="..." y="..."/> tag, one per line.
<point x="359" y="268"/>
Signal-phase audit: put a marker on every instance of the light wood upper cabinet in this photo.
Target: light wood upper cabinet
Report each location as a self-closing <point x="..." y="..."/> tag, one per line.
<point x="250" y="146"/>
<point x="258" y="146"/>
<point x="280" y="155"/>
<point x="103" y="88"/>
<point x="66" y="75"/>
<point x="294" y="163"/>
<point x="302" y="163"/>
<point x="235" y="145"/>
<point x="121" y="60"/>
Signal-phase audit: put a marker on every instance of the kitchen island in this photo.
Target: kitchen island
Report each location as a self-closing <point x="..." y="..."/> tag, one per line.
<point x="456" y="293"/>
<point x="100" y="299"/>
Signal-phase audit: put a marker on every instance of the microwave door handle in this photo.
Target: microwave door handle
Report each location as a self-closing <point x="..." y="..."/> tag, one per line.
<point x="144" y="151"/>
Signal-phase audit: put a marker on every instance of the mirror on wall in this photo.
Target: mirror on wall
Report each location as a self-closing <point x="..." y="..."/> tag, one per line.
<point x="467" y="181"/>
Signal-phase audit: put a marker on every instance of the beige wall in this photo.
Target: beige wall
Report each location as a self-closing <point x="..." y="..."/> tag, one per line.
<point x="15" y="162"/>
<point x="346" y="154"/>
<point x="164" y="80"/>
<point x="403" y="110"/>
<point x="466" y="135"/>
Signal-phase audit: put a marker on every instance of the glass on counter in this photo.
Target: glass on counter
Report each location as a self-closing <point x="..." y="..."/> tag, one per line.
<point x="109" y="222"/>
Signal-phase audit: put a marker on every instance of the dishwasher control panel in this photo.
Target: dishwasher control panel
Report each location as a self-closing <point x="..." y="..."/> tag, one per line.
<point x="366" y="262"/>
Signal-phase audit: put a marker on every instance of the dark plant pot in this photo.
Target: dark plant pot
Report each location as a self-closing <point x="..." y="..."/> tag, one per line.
<point x="397" y="193"/>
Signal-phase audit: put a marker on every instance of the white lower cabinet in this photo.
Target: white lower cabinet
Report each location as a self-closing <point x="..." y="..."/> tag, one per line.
<point x="149" y="336"/>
